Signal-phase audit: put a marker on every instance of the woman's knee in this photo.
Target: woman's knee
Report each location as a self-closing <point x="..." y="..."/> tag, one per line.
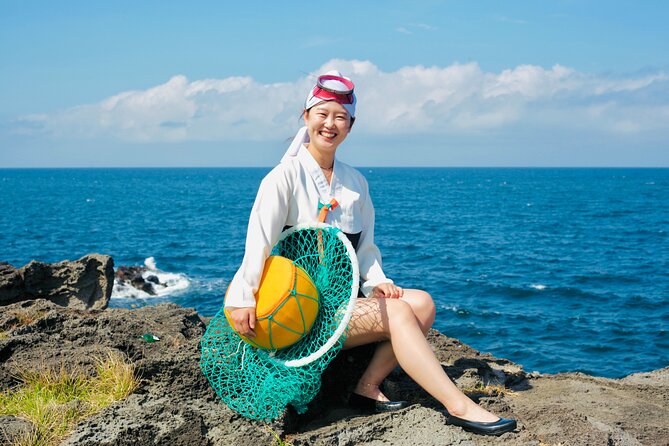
<point x="429" y="306"/>
<point x="422" y="305"/>
<point x="399" y="311"/>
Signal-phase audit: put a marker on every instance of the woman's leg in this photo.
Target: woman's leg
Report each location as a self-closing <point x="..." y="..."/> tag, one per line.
<point x="383" y="362"/>
<point x="379" y="319"/>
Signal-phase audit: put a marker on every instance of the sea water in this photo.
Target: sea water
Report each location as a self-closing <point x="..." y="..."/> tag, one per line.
<point x="556" y="269"/>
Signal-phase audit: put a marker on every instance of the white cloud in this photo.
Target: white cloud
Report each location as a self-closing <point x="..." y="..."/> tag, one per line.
<point x="456" y="99"/>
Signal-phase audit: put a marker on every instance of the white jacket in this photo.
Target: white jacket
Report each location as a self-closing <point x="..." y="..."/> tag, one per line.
<point x="289" y="195"/>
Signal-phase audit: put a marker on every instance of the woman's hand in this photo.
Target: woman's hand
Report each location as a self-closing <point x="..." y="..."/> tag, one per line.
<point x="387" y="290"/>
<point x="244" y="321"/>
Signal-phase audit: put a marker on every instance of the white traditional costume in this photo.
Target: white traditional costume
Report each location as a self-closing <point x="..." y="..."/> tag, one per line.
<point x="289" y="195"/>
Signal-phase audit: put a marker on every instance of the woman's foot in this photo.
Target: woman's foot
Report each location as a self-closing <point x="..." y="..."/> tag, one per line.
<point x="499" y="427"/>
<point x="474" y="418"/>
<point x="369" y="390"/>
<point x="369" y="398"/>
<point x="471" y="411"/>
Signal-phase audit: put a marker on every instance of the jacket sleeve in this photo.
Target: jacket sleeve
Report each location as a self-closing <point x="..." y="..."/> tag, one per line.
<point x="369" y="255"/>
<point x="267" y="219"/>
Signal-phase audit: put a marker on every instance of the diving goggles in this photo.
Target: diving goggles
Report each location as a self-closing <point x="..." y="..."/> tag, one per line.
<point x="330" y="87"/>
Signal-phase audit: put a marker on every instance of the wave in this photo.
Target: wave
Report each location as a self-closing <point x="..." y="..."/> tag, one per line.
<point x="168" y="284"/>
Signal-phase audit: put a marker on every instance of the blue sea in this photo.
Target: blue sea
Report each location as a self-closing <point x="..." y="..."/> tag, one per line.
<point x="556" y="269"/>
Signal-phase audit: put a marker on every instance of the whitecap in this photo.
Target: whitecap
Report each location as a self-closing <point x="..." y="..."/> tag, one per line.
<point x="538" y="286"/>
<point x="150" y="263"/>
<point x="169" y="283"/>
<point x="124" y="291"/>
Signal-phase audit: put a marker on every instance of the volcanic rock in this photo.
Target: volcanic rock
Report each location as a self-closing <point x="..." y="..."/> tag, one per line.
<point x="175" y="405"/>
<point x="84" y="284"/>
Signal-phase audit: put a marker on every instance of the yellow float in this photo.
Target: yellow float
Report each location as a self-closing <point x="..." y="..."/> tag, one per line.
<point x="286" y="305"/>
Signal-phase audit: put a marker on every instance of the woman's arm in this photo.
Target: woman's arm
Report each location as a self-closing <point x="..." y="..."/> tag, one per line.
<point x="267" y="219"/>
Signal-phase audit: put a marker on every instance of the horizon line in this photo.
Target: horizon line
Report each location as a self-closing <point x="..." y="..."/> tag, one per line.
<point x="357" y="167"/>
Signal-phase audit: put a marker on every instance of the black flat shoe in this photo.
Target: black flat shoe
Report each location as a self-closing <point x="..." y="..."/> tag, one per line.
<point x="483" y="428"/>
<point x="371" y="405"/>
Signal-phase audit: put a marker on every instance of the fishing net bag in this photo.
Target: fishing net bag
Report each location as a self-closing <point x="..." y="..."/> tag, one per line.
<point x="260" y="383"/>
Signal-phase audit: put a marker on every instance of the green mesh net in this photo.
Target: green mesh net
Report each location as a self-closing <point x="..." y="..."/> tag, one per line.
<point x="259" y="384"/>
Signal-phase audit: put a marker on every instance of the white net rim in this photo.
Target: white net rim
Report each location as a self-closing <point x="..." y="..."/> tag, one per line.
<point x="339" y="331"/>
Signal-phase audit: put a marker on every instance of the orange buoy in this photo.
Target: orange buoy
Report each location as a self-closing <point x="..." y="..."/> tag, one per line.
<point x="286" y="305"/>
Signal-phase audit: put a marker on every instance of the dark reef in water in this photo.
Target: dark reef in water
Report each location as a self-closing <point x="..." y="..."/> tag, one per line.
<point x="134" y="277"/>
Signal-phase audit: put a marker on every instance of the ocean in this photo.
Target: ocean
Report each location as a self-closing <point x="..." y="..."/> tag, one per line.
<point x="556" y="269"/>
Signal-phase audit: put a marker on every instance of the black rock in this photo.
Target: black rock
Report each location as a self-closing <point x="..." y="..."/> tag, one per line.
<point x="82" y="284"/>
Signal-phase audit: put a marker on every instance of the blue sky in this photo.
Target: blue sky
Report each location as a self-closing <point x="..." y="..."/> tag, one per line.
<point x="449" y="83"/>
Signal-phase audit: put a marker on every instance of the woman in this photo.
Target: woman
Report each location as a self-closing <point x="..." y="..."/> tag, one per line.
<point x="311" y="181"/>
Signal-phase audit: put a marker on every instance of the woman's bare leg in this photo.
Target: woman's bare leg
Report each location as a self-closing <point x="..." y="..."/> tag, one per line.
<point x="380" y="319"/>
<point x="383" y="362"/>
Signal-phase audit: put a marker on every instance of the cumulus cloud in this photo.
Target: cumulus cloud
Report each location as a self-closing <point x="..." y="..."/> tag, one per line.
<point x="456" y="99"/>
<point x="178" y="110"/>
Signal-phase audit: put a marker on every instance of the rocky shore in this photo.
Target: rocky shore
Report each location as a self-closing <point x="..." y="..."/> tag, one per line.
<point x="174" y="404"/>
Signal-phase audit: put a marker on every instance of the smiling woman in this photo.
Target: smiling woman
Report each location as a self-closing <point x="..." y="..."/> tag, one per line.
<point x="311" y="185"/>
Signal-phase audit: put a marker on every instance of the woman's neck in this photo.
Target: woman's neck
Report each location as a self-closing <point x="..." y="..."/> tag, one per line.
<point x="325" y="160"/>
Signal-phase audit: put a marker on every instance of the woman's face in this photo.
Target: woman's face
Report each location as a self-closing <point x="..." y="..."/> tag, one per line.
<point x="328" y="124"/>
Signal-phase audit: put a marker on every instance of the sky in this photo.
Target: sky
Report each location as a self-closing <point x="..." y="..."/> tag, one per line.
<point x="552" y="83"/>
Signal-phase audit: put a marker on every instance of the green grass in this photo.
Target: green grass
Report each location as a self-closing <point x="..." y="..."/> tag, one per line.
<point x="279" y="441"/>
<point x="54" y="400"/>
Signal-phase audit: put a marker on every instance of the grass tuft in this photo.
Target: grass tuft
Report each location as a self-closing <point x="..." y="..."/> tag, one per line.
<point x="3" y="335"/>
<point x="488" y="390"/>
<point x="54" y="400"/>
<point x="116" y="379"/>
<point x="279" y="441"/>
<point x="31" y="438"/>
